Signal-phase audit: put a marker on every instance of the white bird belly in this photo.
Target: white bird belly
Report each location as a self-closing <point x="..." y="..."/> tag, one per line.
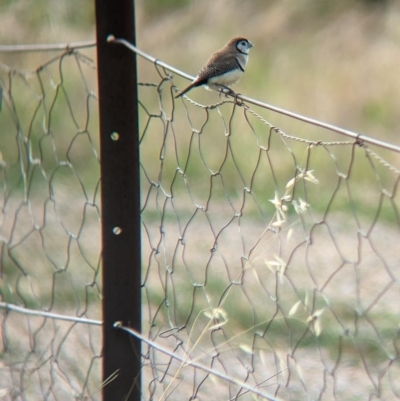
<point x="226" y="79"/>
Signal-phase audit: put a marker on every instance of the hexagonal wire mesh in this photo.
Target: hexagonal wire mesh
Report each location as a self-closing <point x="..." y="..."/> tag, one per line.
<point x="269" y="259"/>
<point x="270" y="265"/>
<point x="50" y="230"/>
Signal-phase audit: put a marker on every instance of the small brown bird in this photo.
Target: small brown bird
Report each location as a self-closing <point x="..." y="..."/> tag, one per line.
<point x="223" y="68"/>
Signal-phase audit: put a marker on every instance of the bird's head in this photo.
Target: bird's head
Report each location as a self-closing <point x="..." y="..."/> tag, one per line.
<point x="240" y="44"/>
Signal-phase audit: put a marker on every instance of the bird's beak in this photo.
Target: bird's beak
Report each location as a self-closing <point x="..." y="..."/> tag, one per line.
<point x="251" y="44"/>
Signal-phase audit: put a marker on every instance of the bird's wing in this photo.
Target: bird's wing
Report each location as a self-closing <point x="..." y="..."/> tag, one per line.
<point x="218" y="64"/>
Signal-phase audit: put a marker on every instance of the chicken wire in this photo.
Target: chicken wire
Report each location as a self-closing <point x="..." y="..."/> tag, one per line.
<point x="270" y="264"/>
<point x="50" y="229"/>
<point x="270" y="260"/>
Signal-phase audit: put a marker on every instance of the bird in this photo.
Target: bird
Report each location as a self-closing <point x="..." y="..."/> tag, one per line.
<point x="225" y="67"/>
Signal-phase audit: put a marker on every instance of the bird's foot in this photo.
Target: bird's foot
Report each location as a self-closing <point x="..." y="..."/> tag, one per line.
<point x="226" y="91"/>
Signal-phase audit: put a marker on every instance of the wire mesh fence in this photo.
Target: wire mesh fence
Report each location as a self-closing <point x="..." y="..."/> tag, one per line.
<point x="269" y="259"/>
<point x="270" y="264"/>
<point x="50" y="237"/>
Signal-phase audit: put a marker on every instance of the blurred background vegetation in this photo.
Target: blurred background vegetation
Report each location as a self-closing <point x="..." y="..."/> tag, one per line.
<point x="334" y="61"/>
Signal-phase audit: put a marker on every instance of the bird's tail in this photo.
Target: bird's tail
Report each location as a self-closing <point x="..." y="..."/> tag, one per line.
<point x="197" y="82"/>
<point x="187" y="89"/>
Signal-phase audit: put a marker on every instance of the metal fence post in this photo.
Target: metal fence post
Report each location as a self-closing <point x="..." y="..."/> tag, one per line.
<point x="120" y="198"/>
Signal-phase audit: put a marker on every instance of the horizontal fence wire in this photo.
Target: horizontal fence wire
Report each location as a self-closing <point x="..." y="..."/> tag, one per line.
<point x="270" y="264"/>
<point x="50" y="297"/>
<point x="47" y="47"/>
